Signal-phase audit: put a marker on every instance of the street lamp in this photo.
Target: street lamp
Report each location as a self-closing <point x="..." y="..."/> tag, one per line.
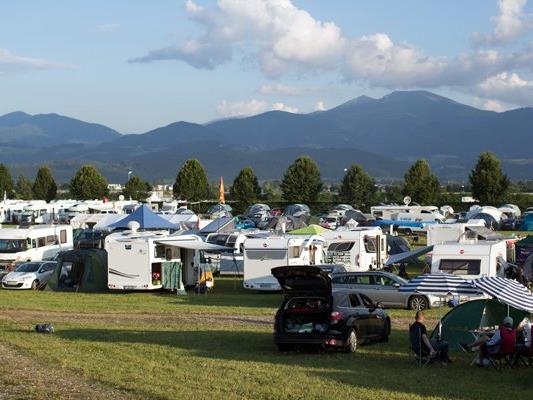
<point x="129" y="174"/>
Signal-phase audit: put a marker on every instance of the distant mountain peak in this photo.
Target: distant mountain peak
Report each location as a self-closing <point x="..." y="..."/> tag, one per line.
<point x="416" y="95"/>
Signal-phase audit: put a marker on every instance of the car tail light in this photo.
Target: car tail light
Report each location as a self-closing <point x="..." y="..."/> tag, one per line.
<point x="335" y="316"/>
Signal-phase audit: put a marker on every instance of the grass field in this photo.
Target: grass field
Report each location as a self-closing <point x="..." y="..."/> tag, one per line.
<point x="216" y="346"/>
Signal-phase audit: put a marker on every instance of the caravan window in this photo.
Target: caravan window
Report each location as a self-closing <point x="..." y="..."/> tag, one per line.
<point x="294" y="251"/>
<point x="159" y="251"/>
<point x="12" y="245"/>
<point x="260" y="254"/>
<point x="50" y="240"/>
<point x="231" y="241"/>
<point x="341" y="246"/>
<point x="41" y="242"/>
<point x="63" y="236"/>
<point x="218" y="239"/>
<point x="370" y="244"/>
<point x="460" y="267"/>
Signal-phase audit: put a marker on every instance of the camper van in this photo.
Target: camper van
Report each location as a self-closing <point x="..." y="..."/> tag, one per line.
<point x="263" y="254"/>
<point x="138" y="260"/>
<point x="358" y="250"/>
<point x="469" y="259"/>
<point x="35" y="243"/>
<point x="407" y="213"/>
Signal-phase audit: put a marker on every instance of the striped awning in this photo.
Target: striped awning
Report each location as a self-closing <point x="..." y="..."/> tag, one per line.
<point x="440" y="285"/>
<point x="507" y="291"/>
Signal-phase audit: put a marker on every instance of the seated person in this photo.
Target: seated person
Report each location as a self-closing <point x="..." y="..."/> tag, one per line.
<point x="437" y="350"/>
<point x="525" y="329"/>
<point x="502" y="342"/>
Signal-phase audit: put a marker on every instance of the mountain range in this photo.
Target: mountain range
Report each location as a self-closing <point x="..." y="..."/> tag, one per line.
<point x="383" y="135"/>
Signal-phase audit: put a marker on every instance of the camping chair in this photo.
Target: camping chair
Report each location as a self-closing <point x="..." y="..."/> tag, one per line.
<point x="502" y="358"/>
<point x="421" y="358"/>
<point x="524" y="356"/>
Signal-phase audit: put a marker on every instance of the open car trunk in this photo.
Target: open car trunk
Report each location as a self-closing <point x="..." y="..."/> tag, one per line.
<point x="306" y="315"/>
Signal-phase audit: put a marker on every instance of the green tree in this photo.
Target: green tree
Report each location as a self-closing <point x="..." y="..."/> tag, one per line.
<point x="358" y="188"/>
<point x="272" y="191"/>
<point x="302" y="183"/>
<point x="23" y="188"/>
<point x="489" y="184"/>
<point x="44" y="186"/>
<point x="421" y="184"/>
<point x="88" y="183"/>
<point x="136" y="188"/>
<point x="191" y="182"/>
<point x="6" y="182"/>
<point x="245" y="189"/>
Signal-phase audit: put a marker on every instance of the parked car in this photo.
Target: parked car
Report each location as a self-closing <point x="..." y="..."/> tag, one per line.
<point x="383" y="287"/>
<point x="31" y="275"/>
<point x="312" y="314"/>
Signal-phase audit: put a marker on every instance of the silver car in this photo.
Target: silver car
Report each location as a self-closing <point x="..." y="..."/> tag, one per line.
<point x="30" y="275"/>
<point x="383" y="287"/>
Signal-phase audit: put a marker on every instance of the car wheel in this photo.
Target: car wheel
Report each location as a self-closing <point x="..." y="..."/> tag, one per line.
<point x="35" y="285"/>
<point x="284" y="347"/>
<point x="418" y="303"/>
<point x="351" y="342"/>
<point x="385" y="337"/>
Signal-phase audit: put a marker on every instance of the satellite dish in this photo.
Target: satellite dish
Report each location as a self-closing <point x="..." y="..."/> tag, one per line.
<point x="406" y="200"/>
<point x="133" y="226"/>
<point x="121" y="197"/>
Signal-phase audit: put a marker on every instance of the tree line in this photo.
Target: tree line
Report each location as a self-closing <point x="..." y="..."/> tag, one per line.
<point x="301" y="183"/>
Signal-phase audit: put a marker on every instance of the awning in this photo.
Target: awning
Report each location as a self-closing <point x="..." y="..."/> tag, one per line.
<point x="396" y="258"/>
<point x="193" y="245"/>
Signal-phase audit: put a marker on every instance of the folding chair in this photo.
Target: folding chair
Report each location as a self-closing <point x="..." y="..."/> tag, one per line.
<point x="421" y="358"/>
<point x="524" y="356"/>
<point x="501" y="359"/>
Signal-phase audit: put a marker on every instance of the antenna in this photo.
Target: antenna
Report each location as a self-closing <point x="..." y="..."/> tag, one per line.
<point x="406" y="200"/>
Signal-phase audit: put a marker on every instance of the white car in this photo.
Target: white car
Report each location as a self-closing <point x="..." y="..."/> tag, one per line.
<point x="31" y="275"/>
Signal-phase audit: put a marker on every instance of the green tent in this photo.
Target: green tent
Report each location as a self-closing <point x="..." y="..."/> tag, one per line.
<point x="82" y="270"/>
<point x="309" y="230"/>
<point x="471" y="315"/>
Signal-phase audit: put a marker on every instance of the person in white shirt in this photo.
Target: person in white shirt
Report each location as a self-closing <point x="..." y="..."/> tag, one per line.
<point x="525" y="328"/>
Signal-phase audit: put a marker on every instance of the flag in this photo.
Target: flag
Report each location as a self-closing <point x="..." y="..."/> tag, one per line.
<point x="221" y="191"/>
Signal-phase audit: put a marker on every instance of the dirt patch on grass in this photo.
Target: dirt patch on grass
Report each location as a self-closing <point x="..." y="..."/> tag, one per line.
<point x="22" y="377"/>
<point x="53" y="317"/>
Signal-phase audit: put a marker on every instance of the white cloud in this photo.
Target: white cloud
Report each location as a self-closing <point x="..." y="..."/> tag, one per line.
<point x="508" y="87"/>
<point x="10" y="62"/>
<point x="107" y="28"/>
<point x="284" y="107"/>
<point x="490" y="105"/>
<point x="319" y="106"/>
<point x="509" y="24"/>
<point x="228" y="109"/>
<point x="279" y="89"/>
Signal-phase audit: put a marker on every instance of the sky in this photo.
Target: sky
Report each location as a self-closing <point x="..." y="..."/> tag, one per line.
<point x="136" y="65"/>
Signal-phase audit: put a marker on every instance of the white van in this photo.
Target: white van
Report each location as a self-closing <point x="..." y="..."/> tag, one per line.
<point x="358" y="250"/>
<point x="263" y="254"/>
<point x="469" y="259"/>
<point x="35" y="243"/>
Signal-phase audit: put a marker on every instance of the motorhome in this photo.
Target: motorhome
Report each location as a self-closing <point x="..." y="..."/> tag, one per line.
<point x="469" y="259"/>
<point x="263" y="254"/>
<point x="407" y="213"/>
<point x="441" y="233"/>
<point x="359" y="249"/>
<point x="140" y="260"/>
<point x="37" y="242"/>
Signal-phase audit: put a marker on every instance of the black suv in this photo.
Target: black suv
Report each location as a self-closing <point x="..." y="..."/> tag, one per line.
<point x="311" y="314"/>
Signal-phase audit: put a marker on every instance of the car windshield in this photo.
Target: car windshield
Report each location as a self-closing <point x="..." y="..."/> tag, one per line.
<point x="28" y="267"/>
<point x="12" y="245"/>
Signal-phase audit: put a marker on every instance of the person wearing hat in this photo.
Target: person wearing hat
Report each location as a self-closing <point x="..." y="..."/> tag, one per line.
<point x="502" y="342"/>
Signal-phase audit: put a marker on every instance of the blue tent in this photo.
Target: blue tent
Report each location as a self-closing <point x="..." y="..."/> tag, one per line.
<point x="146" y="218"/>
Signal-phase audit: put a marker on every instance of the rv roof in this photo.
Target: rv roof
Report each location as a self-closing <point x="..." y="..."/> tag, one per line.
<point x="21" y="233"/>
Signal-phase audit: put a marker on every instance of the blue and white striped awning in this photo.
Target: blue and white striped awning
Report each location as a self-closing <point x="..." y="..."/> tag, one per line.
<point x="440" y="285"/>
<point x="507" y="291"/>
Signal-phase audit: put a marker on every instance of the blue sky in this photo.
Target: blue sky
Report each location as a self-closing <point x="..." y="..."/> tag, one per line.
<point x="136" y="65"/>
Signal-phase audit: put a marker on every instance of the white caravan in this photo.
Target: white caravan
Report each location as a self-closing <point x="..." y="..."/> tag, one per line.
<point x="358" y="250"/>
<point x="441" y="233"/>
<point x="263" y="254"/>
<point x="35" y="243"/>
<point x="136" y="259"/>
<point x="469" y="259"/>
<point x="407" y="213"/>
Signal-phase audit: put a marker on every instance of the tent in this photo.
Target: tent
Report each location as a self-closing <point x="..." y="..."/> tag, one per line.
<point x="475" y="314"/>
<point x="83" y="270"/>
<point x="146" y="219"/>
<point x="523" y="248"/>
<point x="309" y="230"/>
<point x="527" y="223"/>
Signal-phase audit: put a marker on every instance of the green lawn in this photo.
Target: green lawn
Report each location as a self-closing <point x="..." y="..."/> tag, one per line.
<point x="149" y="345"/>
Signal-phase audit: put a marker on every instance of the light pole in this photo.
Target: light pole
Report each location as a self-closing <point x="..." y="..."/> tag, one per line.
<point x="129" y="174"/>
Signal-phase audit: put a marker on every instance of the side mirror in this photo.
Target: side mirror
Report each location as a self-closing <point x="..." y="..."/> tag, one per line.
<point x="396" y="285"/>
<point x="379" y="305"/>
